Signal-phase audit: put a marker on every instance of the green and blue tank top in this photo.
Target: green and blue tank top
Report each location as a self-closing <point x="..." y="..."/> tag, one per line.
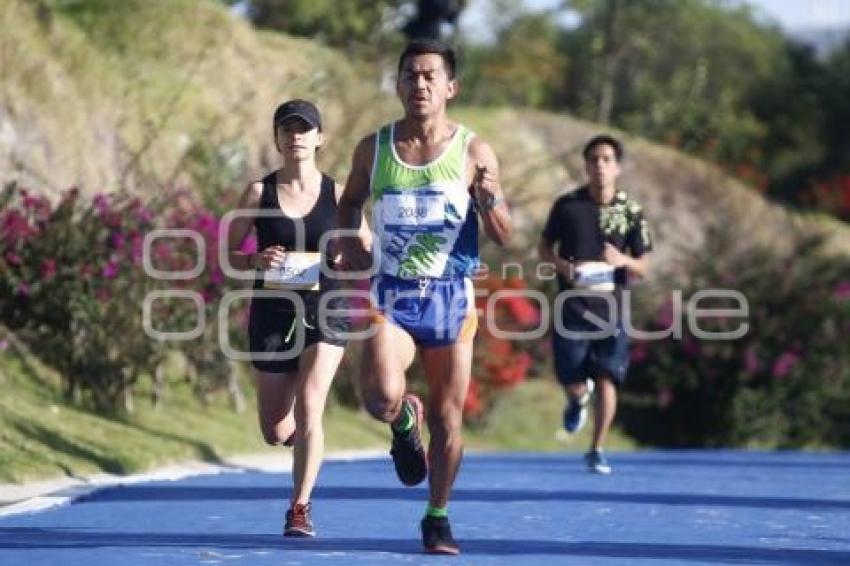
<point x="423" y="216"/>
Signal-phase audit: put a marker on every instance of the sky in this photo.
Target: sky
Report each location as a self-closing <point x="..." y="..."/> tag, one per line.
<point x="806" y="14"/>
<point x="791" y="15"/>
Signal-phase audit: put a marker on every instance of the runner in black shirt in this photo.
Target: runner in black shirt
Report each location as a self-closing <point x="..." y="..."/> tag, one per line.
<point x="596" y="237"/>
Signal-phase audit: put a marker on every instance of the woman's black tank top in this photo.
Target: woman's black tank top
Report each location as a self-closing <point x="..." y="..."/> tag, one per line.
<point x="280" y="229"/>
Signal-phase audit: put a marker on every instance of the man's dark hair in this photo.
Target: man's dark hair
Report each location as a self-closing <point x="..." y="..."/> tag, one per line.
<point x="604" y="140"/>
<point x="425" y="46"/>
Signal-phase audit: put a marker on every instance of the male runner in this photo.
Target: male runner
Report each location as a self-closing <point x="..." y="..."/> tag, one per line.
<point x="428" y="177"/>
<point x="601" y="238"/>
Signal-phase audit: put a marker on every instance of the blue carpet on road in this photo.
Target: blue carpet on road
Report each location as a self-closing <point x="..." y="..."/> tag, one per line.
<point x="657" y="508"/>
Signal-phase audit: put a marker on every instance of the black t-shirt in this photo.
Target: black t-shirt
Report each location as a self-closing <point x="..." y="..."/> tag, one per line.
<point x="580" y="227"/>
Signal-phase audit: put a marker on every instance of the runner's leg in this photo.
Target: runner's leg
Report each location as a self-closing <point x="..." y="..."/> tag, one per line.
<point x="318" y="365"/>
<point x="605" y="409"/>
<point x="576" y="390"/>
<point x="386" y="356"/>
<point x="275" y="397"/>
<point x="448" y="370"/>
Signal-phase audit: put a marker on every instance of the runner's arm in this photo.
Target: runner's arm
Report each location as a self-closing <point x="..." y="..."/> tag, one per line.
<point x="355" y="254"/>
<point x="484" y="175"/>
<point x="639" y="244"/>
<point x="636" y="266"/>
<point x="239" y="229"/>
<point x="546" y="252"/>
<point x="364" y="232"/>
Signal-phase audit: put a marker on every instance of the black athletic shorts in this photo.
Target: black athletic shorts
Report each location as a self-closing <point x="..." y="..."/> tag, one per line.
<point x="274" y="326"/>
<point x="579" y="358"/>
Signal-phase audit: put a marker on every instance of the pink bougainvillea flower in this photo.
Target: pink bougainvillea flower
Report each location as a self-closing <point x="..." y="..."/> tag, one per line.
<point x="664" y="319"/>
<point x="207" y="223"/>
<point x="639" y="353"/>
<point x="691" y="346"/>
<point x="100" y="202"/>
<point x="249" y="244"/>
<point x="144" y="214"/>
<point x="110" y="269"/>
<point x="32" y="203"/>
<point x="13" y="259"/>
<point x="117" y="240"/>
<point x="136" y="248"/>
<point x="751" y="361"/>
<point x="842" y="291"/>
<point x="15" y="228"/>
<point x="48" y="269"/>
<point x="784" y="363"/>
<point x="216" y="276"/>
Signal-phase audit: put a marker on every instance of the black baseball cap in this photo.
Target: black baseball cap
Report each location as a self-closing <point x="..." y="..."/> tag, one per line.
<point x="303" y="109"/>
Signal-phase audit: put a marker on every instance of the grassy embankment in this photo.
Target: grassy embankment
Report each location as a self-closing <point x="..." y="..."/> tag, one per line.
<point x="42" y="435"/>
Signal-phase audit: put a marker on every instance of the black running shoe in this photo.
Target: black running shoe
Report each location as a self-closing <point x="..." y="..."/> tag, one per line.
<point x="575" y="415"/>
<point x="298" y="521"/>
<point x="411" y="463"/>
<point x="437" y="536"/>
<point x="596" y="462"/>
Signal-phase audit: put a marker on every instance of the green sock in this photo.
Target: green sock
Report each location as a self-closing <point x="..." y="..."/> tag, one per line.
<point x="438" y="512"/>
<point x="405" y="419"/>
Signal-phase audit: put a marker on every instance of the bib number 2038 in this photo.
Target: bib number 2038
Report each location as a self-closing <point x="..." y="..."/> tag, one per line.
<point x="414" y="209"/>
<point x="412" y="212"/>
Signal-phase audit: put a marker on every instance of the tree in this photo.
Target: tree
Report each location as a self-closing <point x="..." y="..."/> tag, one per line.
<point x="523" y="68"/>
<point x="360" y="26"/>
<point x="836" y="97"/>
<point x="806" y="108"/>
<point x="678" y="71"/>
<point x="353" y="25"/>
<point x="792" y="107"/>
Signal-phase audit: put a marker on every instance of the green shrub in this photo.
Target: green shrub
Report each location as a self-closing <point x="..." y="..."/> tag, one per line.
<point x="72" y="286"/>
<point x="785" y="384"/>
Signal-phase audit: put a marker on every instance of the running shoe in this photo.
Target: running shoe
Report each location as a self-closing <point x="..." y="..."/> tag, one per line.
<point x="298" y="521"/>
<point x="411" y="463"/>
<point x="437" y="536"/>
<point x="596" y="462"/>
<point x="575" y="415"/>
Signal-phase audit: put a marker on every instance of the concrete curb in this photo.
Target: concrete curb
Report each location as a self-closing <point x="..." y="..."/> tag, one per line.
<point x="38" y="496"/>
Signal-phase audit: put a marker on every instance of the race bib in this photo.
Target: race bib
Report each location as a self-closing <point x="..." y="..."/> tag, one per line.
<point x="414" y="209"/>
<point x="300" y="270"/>
<point x="594" y="276"/>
